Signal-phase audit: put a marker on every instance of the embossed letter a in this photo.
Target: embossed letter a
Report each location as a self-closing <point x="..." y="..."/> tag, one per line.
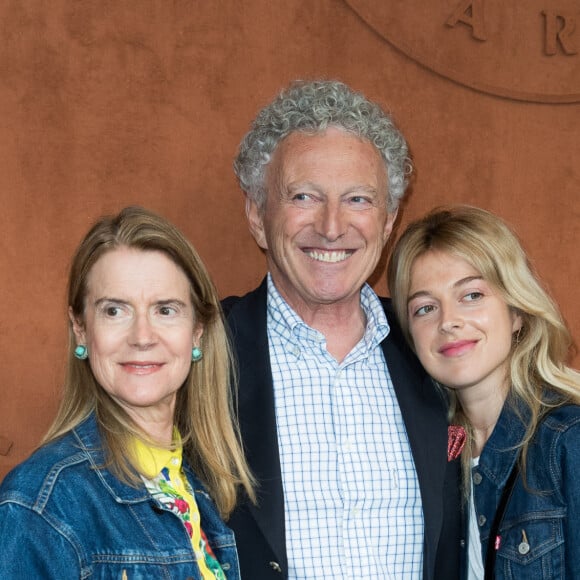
<point x="470" y="12"/>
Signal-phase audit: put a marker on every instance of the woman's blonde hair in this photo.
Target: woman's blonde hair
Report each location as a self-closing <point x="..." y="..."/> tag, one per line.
<point x="204" y="409"/>
<point x="540" y="349"/>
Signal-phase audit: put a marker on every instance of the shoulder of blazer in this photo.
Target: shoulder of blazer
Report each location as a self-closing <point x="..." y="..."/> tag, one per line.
<point x="249" y="310"/>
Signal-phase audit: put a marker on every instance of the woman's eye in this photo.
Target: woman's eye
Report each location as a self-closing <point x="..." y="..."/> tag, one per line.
<point x="166" y="310"/>
<point x="471" y="296"/>
<point x="422" y="310"/>
<point x="112" y="311"/>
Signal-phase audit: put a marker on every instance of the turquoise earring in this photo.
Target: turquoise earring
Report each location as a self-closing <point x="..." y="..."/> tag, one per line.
<point x="81" y="352"/>
<point x="196" y="354"/>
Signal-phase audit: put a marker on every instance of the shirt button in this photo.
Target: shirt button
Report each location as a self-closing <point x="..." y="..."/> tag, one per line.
<point x="481" y="520"/>
<point x="477" y="478"/>
<point x="174" y="461"/>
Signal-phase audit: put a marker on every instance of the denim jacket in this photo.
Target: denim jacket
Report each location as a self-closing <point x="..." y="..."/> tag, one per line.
<point x="62" y="518"/>
<point x="540" y="532"/>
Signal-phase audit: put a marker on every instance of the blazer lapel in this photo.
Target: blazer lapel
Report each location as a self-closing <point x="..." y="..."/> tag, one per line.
<point x="424" y="416"/>
<point x="247" y="322"/>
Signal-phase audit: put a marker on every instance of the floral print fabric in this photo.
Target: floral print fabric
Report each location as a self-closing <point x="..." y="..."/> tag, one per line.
<point x="171" y="488"/>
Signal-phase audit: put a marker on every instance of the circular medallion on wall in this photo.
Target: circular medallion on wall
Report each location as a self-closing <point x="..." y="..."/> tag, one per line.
<point x="528" y="51"/>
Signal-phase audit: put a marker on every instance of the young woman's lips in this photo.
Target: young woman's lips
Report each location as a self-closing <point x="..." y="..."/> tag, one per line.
<point x="457" y="348"/>
<point x="141" y="368"/>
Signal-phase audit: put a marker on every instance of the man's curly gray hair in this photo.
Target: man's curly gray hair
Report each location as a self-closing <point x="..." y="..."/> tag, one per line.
<point x="311" y="107"/>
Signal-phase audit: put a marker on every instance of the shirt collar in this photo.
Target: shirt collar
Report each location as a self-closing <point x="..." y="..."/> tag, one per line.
<point x="151" y="460"/>
<point x="286" y="322"/>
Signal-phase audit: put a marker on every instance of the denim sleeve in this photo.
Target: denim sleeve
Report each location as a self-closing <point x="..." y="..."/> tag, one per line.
<point x="33" y="547"/>
<point x="567" y="467"/>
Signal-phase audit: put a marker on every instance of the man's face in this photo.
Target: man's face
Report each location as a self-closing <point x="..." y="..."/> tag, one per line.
<point x="325" y="221"/>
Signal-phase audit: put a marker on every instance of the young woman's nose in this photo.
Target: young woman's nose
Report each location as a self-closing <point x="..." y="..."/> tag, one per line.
<point x="450" y="319"/>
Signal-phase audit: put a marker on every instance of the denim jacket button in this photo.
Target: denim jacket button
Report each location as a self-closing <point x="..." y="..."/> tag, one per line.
<point x="477" y="478"/>
<point x="481" y="520"/>
<point x="524" y="548"/>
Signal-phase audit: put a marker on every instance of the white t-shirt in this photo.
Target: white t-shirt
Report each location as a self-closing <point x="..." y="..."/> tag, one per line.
<point x="475" y="568"/>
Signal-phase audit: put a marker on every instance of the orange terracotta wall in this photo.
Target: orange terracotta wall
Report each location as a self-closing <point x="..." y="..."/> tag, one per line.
<point x="106" y="103"/>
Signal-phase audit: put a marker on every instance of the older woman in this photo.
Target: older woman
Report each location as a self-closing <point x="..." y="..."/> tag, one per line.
<point x="486" y="330"/>
<point x="143" y="458"/>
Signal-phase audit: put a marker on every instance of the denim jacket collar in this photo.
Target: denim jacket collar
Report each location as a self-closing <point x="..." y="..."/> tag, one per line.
<point x="89" y="439"/>
<point x="501" y="450"/>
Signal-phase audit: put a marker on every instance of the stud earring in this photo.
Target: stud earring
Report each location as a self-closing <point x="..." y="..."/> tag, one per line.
<point x="196" y="354"/>
<point x="81" y="352"/>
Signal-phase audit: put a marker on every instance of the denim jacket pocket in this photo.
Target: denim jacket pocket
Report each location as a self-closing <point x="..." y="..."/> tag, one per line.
<point x="532" y="546"/>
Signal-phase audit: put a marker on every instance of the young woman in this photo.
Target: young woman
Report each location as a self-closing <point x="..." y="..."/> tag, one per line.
<point x="491" y="337"/>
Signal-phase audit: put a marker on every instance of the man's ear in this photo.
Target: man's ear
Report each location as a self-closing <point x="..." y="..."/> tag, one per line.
<point x="256" y="222"/>
<point x="391" y="219"/>
<point x="78" y="328"/>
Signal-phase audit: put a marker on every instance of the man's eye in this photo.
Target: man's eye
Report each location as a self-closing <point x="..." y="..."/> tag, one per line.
<point x="166" y="310"/>
<point x="112" y="311"/>
<point x="300" y="197"/>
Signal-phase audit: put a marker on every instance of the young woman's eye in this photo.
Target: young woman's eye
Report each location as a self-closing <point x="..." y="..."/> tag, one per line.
<point x="423" y="310"/>
<point x="166" y="310"/>
<point x="471" y="296"/>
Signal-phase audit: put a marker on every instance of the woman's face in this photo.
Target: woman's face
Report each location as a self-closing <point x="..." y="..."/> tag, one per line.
<point x="139" y="329"/>
<point x="461" y="326"/>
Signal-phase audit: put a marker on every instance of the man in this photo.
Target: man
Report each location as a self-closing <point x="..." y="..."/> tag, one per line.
<point x="344" y="432"/>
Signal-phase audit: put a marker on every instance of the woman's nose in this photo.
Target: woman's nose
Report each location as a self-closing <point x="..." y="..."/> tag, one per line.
<point x="450" y="319"/>
<point x="142" y="331"/>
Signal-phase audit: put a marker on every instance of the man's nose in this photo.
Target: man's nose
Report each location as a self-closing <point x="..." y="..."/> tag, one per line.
<point x="333" y="221"/>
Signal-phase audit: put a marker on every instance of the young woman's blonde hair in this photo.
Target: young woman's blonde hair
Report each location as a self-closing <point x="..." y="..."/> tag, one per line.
<point x="204" y="410"/>
<point x="539" y="375"/>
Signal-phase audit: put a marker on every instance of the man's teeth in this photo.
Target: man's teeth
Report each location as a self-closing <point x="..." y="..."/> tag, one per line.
<point x="329" y="256"/>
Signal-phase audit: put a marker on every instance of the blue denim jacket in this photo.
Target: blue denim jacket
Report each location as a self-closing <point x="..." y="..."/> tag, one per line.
<point x="540" y="533"/>
<point x="62" y="518"/>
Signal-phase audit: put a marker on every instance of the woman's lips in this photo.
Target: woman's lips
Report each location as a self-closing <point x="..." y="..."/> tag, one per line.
<point x="141" y="368"/>
<point x="457" y="348"/>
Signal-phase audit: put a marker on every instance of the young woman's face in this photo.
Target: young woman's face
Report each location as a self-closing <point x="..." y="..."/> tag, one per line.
<point x="461" y="326"/>
<point x="139" y="328"/>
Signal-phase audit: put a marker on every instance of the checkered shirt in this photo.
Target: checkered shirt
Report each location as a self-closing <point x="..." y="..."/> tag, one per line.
<point x="351" y="496"/>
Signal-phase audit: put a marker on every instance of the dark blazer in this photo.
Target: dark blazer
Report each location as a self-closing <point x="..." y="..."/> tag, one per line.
<point x="260" y="534"/>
